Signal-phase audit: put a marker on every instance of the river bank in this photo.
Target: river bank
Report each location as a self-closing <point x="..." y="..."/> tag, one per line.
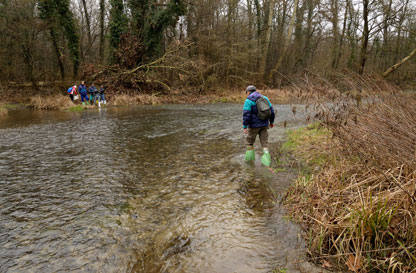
<point x="355" y="193"/>
<point x="48" y="99"/>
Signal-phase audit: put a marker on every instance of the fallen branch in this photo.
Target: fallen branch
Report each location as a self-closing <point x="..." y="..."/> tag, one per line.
<point x="396" y="66"/>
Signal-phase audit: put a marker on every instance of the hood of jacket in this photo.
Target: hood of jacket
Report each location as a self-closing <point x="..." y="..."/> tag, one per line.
<point x="254" y="96"/>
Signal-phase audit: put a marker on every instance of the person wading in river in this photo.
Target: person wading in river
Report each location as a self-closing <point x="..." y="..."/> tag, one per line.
<point x="257" y="113"/>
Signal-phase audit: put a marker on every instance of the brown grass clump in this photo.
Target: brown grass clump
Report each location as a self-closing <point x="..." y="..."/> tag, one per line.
<point x="360" y="208"/>
<point x="54" y="102"/>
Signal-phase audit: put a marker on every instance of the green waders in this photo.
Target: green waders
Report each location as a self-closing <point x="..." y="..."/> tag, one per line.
<point x="250" y="154"/>
<point x="266" y="160"/>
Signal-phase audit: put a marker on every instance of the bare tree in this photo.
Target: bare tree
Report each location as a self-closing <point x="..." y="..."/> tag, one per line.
<point x="365" y="37"/>
<point x="266" y="43"/>
<point x="102" y="30"/>
<point x="286" y="40"/>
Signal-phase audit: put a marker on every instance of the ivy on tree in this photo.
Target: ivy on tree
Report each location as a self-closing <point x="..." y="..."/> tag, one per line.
<point x="59" y="17"/>
<point x="148" y="21"/>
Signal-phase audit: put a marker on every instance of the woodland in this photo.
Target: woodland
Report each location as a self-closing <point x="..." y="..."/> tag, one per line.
<point x="205" y="44"/>
<point x="355" y="196"/>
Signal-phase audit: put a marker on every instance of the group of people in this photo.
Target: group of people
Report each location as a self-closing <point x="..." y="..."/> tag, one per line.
<point x="89" y="95"/>
<point x="258" y="115"/>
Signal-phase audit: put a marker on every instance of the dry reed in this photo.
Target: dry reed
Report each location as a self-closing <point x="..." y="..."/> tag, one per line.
<point x="55" y="102"/>
<point x="360" y="208"/>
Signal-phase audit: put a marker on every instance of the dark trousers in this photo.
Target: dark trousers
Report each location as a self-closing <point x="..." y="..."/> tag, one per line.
<point x="263" y="135"/>
<point x="84" y="97"/>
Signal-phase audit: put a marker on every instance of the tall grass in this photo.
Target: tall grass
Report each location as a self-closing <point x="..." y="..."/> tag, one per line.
<point x="53" y="102"/>
<point x="360" y="209"/>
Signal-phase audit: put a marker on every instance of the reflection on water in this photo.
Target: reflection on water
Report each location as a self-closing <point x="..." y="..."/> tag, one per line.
<point x="147" y="189"/>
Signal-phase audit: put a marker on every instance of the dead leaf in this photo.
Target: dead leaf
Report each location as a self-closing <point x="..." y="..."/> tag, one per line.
<point x="326" y="264"/>
<point x="353" y="263"/>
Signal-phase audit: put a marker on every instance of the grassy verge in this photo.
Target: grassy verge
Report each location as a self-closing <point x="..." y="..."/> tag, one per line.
<point x="310" y="145"/>
<point x="355" y="195"/>
<point x="54" y="99"/>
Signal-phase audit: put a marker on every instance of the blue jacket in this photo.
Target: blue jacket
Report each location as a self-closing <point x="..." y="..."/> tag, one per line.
<point x="250" y="113"/>
<point x="93" y="90"/>
<point x="82" y="89"/>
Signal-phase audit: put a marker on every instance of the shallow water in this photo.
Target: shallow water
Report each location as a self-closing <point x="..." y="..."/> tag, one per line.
<point x="144" y="189"/>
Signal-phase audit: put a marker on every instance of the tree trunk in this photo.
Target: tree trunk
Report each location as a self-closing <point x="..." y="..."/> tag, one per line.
<point x="230" y="37"/>
<point x="299" y="38"/>
<point x="87" y="20"/>
<point x="250" y="19"/>
<point x="396" y="66"/>
<point x="366" y="33"/>
<point x="258" y="15"/>
<point x="341" y="39"/>
<point x="386" y="22"/>
<point x="28" y="60"/>
<point x="308" y="40"/>
<point x="402" y="17"/>
<point x="59" y="54"/>
<point x="286" y="41"/>
<point x="266" y="43"/>
<point x="351" y="30"/>
<point x="335" y="32"/>
<point x="102" y="38"/>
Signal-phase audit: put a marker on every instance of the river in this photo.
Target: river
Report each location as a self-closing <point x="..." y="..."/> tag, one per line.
<point x="141" y="189"/>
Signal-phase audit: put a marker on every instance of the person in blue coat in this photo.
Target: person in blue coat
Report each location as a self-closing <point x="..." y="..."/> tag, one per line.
<point x="82" y="90"/>
<point x="253" y="125"/>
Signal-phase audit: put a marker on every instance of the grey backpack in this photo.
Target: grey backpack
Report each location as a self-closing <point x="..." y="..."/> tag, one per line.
<point x="263" y="108"/>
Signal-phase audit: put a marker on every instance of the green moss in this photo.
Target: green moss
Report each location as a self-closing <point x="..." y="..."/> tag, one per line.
<point x="77" y="108"/>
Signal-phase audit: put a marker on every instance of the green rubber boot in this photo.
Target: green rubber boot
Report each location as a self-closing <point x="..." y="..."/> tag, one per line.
<point x="250" y="155"/>
<point x="266" y="160"/>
